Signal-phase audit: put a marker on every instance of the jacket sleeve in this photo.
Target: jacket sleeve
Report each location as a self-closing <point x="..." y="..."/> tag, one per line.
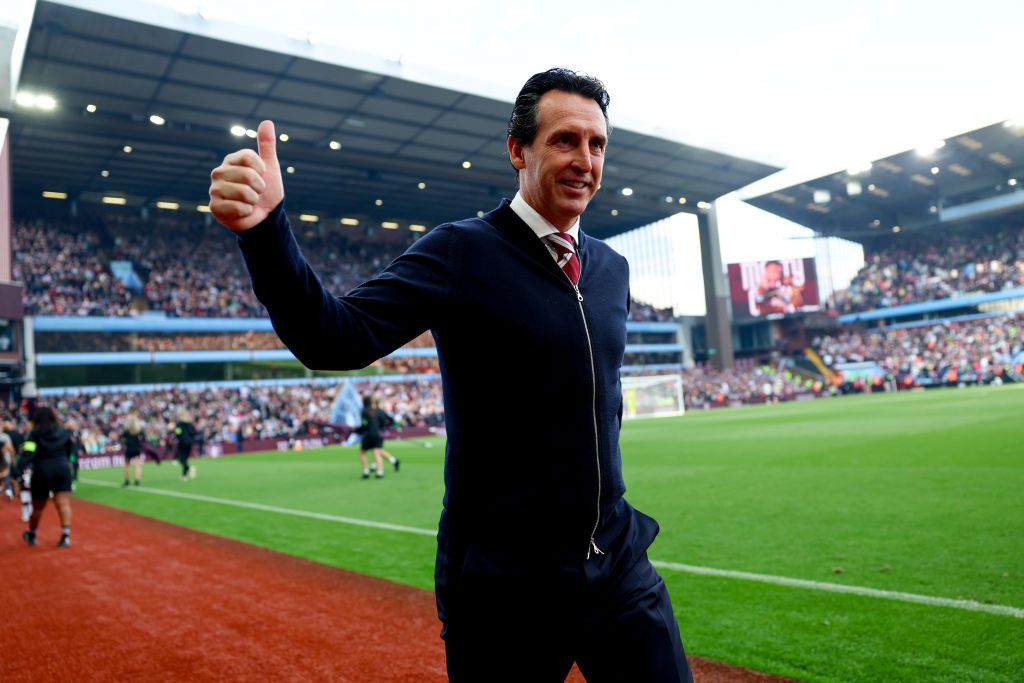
<point x="347" y="332"/>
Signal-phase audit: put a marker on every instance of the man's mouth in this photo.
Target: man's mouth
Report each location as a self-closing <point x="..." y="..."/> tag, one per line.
<point x="575" y="184"/>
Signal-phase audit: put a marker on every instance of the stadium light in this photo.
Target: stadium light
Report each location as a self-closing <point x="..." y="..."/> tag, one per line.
<point x="390" y="225"/>
<point x="127" y="149"/>
<point x="615" y="212"/>
<point x="157" y="120"/>
<point x="896" y="228"/>
<point x="421" y="186"/>
<point x="853" y="188"/>
<point x="935" y="170"/>
<point x="1012" y="182"/>
<point x="378" y="202"/>
<point x="203" y="208"/>
<point x="335" y="145"/>
<point x="91" y="108"/>
<point x="479" y="214"/>
<point x="237" y="130"/>
<point x="290" y="169"/>
<point x="309" y="217"/>
<point x="50" y="194"/>
<point x="858" y="167"/>
<point x="170" y="206"/>
<point x="250" y="133"/>
<point x="669" y="200"/>
<point x="119" y="201"/>
<point x="105" y="173"/>
<point x="467" y="164"/>
<point x="927" y="149"/>
<point x="33" y="101"/>
<point x="682" y="200"/>
<point x="703" y="205"/>
<point x="283" y="137"/>
<point x="627" y="191"/>
<point x="350" y="221"/>
<point x="416" y="227"/>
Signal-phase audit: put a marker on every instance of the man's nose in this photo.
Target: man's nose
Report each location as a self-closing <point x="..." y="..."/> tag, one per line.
<point x="582" y="161"/>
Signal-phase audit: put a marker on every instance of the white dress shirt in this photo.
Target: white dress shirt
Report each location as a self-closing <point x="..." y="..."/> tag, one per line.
<point x="540" y="225"/>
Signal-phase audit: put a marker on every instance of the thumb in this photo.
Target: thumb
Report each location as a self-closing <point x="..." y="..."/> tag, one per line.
<point x="266" y="142"/>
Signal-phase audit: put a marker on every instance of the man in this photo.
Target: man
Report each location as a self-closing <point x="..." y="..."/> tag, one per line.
<point x="534" y="569"/>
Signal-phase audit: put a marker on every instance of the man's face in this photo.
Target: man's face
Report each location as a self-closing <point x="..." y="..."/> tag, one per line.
<point x="559" y="172"/>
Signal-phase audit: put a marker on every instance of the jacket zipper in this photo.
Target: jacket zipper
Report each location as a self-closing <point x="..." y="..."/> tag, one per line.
<point x="592" y="546"/>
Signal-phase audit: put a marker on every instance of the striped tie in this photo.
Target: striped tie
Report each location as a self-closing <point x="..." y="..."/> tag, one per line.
<point x="563" y="248"/>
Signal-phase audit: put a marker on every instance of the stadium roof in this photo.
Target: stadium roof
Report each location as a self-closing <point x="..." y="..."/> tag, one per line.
<point x="971" y="177"/>
<point x="394" y="134"/>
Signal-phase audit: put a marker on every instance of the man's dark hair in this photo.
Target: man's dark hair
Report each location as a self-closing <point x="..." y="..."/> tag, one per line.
<point x="44" y="419"/>
<point x="525" y="118"/>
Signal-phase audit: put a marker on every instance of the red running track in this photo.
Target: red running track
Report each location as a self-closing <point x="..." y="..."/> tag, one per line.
<point x="139" y="599"/>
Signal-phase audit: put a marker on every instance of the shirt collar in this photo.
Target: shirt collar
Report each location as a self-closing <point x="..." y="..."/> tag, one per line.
<point x="540" y="225"/>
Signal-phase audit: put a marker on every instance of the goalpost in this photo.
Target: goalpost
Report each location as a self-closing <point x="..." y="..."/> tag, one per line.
<point x="651" y="395"/>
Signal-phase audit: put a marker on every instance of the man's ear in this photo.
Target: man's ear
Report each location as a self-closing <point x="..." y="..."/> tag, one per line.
<point x="516" y="153"/>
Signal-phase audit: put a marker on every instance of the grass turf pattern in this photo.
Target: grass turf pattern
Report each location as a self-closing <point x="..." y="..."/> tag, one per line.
<point x="919" y="493"/>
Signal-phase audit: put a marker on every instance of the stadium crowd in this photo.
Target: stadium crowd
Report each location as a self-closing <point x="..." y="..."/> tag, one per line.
<point x="65" y="272"/>
<point x="707" y="387"/>
<point x="224" y="414"/>
<point x="186" y="270"/>
<point x="932" y="267"/>
<point x="946" y="353"/>
<point x="84" y="342"/>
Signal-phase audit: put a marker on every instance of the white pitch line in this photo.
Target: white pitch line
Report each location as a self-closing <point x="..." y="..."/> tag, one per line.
<point x="271" y="508"/>
<point x="969" y="605"/>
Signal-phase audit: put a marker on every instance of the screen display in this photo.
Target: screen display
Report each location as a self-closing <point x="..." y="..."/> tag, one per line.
<point x="773" y="288"/>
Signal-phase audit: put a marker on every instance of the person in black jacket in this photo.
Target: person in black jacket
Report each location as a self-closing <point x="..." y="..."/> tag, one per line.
<point x="532" y="572"/>
<point x="48" y="450"/>
<point x="77" y="450"/>
<point x="185" y="434"/>
<point x="133" y="438"/>
<point x="372" y="425"/>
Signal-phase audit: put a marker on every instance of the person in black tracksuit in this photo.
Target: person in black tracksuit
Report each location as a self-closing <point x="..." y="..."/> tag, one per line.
<point x="133" y="438"/>
<point x="373" y="422"/>
<point x="77" y="450"/>
<point x="534" y="570"/>
<point x="185" y="434"/>
<point x="48" y="450"/>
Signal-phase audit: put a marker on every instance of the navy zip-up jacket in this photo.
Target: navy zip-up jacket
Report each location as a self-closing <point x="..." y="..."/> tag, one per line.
<point x="530" y="373"/>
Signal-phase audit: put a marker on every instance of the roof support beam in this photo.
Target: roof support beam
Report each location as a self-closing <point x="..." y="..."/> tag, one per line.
<point x="717" y="322"/>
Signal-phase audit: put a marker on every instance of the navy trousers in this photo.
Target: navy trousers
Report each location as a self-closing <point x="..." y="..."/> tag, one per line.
<point x="610" y="614"/>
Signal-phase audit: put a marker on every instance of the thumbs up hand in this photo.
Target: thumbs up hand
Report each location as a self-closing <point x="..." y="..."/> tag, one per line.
<point x="247" y="185"/>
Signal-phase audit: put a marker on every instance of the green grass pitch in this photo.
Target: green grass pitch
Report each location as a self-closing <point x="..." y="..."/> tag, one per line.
<point x="919" y="493"/>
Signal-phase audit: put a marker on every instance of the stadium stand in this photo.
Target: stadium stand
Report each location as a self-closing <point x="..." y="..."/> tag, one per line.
<point x="950" y="352"/>
<point x="923" y="268"/>
<point x="252" y="411"/>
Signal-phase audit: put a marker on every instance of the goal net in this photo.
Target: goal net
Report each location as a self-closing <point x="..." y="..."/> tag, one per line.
<point x="652" y="396"/>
